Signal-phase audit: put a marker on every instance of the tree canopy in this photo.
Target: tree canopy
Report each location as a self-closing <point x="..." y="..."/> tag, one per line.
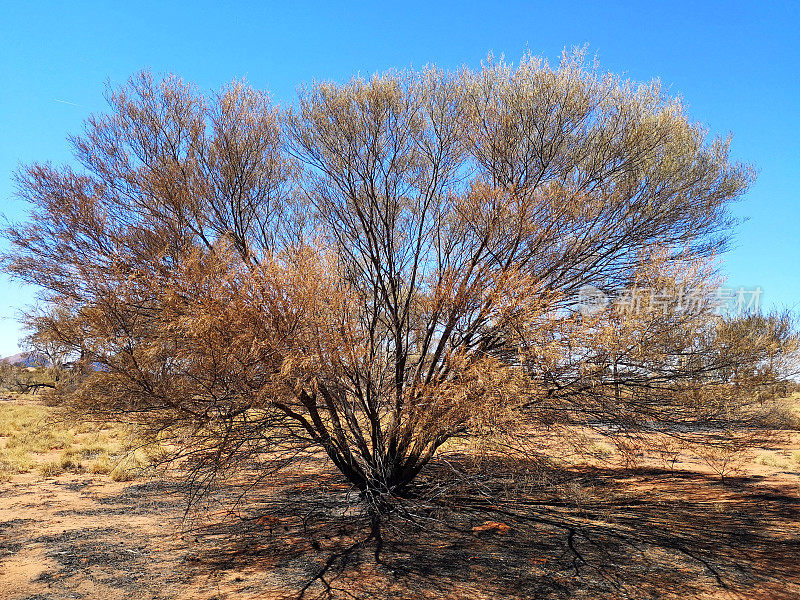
<point x="388" y="265"/>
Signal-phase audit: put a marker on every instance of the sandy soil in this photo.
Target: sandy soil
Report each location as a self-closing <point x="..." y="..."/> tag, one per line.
<point x="600" y="532"/>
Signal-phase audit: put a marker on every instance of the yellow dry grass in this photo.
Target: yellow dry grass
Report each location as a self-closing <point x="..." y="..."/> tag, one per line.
<point x="35" y="437"/>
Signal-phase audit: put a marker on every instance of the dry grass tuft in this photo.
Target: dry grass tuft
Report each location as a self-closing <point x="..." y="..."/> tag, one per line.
<point x="769" y="459"/>
<point x="13" y="461"/>
<point x="600" y="450"/>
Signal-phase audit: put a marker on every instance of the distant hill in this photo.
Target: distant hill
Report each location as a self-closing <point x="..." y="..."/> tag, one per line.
<point x="26" y="359"/>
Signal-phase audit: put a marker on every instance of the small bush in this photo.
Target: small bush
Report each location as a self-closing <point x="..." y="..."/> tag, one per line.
<point x="131" y="466"/>
<point x="725" y="455"/>
<point x="123" y="474"/>
<point x="779" y="414"/>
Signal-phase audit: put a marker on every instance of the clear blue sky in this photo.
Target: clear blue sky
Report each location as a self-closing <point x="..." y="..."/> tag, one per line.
<point x="737" y="65"/>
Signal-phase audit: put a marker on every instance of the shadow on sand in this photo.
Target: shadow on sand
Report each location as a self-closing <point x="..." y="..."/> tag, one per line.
<point x="595" y="533"/>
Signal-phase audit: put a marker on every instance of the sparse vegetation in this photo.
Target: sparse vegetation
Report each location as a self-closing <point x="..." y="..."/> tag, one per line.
<point x="600" y="449"/>
<point x="620" y="512"/>
<point x="31" y="432"/>
<point x="770" y="459"/>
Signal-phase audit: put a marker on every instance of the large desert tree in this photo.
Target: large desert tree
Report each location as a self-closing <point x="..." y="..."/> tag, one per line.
<point x="388" y="265"/>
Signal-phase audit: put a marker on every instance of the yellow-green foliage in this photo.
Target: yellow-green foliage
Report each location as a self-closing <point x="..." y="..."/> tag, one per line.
<point x="69" y="460"/>
<point x="102" y="465"/>
<point x="41" y="439"/>
<point x="780" y="413"/>
<point x="99" y="442"/>
<point x="51" y="468"/>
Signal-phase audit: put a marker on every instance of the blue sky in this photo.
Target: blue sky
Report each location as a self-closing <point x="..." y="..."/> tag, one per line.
<point x="736" y="64"/>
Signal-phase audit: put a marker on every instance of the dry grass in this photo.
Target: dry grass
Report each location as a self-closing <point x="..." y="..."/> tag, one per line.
<point x="13" y="461"/>
<point x="770" y="459"/>
<point x="600" y="450"/>
<point x="31" y="433"/>
<point x="17" y="418"/>
<point x="780" y="413"/>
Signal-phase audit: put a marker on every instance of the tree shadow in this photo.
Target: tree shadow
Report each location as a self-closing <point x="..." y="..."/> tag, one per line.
<point x="594" y="533"/>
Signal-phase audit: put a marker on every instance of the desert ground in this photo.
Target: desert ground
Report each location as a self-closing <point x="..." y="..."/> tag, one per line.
<point x="75" y="522"/>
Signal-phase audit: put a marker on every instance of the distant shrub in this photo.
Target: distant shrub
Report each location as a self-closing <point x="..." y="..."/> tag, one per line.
<point x="768" y="459"/>
<point x="779" y="414"/>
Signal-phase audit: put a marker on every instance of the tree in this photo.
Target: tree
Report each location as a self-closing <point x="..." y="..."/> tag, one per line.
<point x="391" y="264"/>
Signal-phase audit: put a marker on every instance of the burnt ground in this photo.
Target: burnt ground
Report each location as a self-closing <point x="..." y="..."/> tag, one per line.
<point x="591" y="532"/>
